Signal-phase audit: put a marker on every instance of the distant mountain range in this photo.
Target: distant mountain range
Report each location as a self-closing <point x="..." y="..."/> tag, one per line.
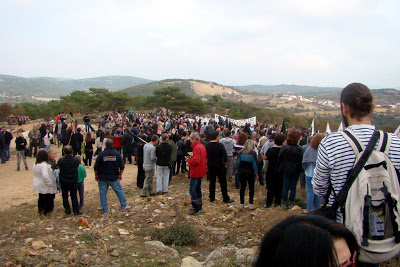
<point x="15" y="89"/>
<point x="51" y="87"/>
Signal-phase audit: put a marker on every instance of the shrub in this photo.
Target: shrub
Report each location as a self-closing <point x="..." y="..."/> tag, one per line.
<point x="177" y="234"/>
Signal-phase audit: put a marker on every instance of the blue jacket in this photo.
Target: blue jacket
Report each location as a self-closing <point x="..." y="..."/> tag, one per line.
<point x="108" y="164"/>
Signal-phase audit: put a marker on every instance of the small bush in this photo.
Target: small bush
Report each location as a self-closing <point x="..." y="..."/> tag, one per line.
<point x="176" y="234"/>
<point x="86" y="237"/>
<point x="300" y="202"/>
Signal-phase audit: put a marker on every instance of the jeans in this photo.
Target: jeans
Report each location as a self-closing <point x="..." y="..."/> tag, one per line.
<point x="213" y="172"/>
<point x="47" y="148"/>
<point x="116" y="186"/>
<point x="127" y="153"/>
<point x="289" y="183"/>
<point x="7" y="151"/>
<point x="172" y="170"/>
<point x="87" y="128"/>
<point x="148" y="183"/>
<point x="312" y="198"/>
<point x="3" y="155"/>
<point x="195" y="193"/>
<point x="260" y="165"/>
<point x="162" y="179"/>
<point x="69" y="188"/>
<point x="181" y="164"/>
<point x="229" y="168"/>
<point x="21" y="154"/>
<point x="81" y="191"/>
<point x="33" y="145"/>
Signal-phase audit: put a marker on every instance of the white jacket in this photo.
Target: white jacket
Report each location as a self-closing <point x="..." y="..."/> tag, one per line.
<point x="44" y="181"/>
<point x="47" y="139"/>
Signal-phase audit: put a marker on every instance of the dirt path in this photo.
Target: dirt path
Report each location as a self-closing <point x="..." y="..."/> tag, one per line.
<point x="16" y="186"/>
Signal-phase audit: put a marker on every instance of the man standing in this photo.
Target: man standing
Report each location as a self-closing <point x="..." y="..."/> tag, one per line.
<point x="57" y="132"/>
<point x="127" y="146"/>
<point x="34" y="137"/>
<point x="7" y="139"/>
<point x="163" y="154"/>
<point x="149" y="161"/>
<point x="198" y="168"/>
<point x="216" y="162"/>
<point x="108" y="171"/>
<point x="68" y="166"/>
<point x="86" y="120"/>
<point x="228" y="143"/>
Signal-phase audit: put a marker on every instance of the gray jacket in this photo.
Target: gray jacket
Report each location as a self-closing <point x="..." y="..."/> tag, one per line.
<point x="149" y="157"/>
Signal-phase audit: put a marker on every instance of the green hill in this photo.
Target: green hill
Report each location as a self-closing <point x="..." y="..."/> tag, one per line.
<point x="303" y="90"/>
<point x="148" y="88"/>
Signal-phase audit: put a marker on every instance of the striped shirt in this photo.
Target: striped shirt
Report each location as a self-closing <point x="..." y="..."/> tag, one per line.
<point x="336" y="158"/>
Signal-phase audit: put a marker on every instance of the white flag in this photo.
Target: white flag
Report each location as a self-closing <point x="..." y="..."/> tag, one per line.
<point x="340" y="127"/>
<point x="328" y="129"/>
<point x="397" y="132"/>
<point x="312" y="127"/>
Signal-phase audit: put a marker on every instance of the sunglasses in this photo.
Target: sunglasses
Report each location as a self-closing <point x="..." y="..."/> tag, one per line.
<point x="351" y="262"/>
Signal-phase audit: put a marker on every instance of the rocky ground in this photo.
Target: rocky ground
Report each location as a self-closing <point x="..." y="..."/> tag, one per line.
<point x="226" y="236"/>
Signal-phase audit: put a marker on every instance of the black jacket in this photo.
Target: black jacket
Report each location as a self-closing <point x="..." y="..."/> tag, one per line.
<point x="290" y="159"/>
<point x="163" y="154"/>
<point x="216" y="154"/>
<point x="68" y="166"/>
<point x="20" y="143"/>
<point x="108" y="164"/>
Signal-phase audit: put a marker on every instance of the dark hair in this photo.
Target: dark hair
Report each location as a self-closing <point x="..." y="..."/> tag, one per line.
<point x="42" y="156"/>
<point x="164" y="137"/>
<point x="212" y="136"/>
<point x="293" y="138"/>
<point x="359" y="99"/>
<point x="303" y="241"/>
<point x="109" y="143"/>
<point x="78" y="130"/>
<point x="279" y="139"/>
<point x="154" y="138"/>
<point x="88" y="137"/>
<point x="227" y="133"/>
<point x="67" y="150"/>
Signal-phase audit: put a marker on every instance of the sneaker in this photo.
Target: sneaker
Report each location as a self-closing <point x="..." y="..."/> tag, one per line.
<point x="193" y="212"/>
<point x="240" y="206"/>
<point x="26" y="168"/>
<point x="143" y="195"/>
<point x="17" y="169"/>
<point x="252" y="207"/>
<point x="230" y="201"/>
<point x="267" y="207"/>
<point x="126" y="208"/>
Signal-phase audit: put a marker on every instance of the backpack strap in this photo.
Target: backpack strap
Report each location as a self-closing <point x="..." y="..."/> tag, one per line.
<point x="384" y="142"/>
<point x="353" y="140"/>
<point x="352" y="175"/>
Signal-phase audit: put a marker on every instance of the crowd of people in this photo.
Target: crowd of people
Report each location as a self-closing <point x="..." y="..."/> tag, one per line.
<point x="168" y="144"/>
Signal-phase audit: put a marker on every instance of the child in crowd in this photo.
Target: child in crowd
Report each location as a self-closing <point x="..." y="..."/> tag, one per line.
<point x="80" y="186"/>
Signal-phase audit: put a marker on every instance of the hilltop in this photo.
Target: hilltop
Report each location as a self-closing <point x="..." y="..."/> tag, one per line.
<point x="193" y="88"/>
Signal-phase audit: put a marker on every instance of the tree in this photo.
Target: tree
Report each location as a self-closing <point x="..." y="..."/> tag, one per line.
<point x="5" y="110"/>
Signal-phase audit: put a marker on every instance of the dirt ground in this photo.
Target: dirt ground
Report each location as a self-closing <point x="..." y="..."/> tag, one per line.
<point x="119" y="238"/>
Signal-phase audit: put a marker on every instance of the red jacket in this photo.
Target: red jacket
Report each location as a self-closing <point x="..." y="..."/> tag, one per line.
<point x="198" y="162"/>
<point x="117" y="141"/>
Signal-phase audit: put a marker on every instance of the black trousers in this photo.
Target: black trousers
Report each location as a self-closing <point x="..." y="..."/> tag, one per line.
<point x="213" y="173"/>
<point x="69" y="189"/>
<point x="274" y="187"/>
<point x="46" y="203"/>
<point x="88" y="158"/>
<point x="140" y="173"/>
<point x="180" y="164"/>
<point x="246" y="177"/>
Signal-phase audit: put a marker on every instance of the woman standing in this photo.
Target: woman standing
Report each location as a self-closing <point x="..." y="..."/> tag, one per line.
<point x="47" y="139"/>
<point x="20" y="146"/>
<point x="309" y="163"/>
<point x="44" y="183"/>
<point x="247" y="168"/>
<point x="289" y="164"/>
<point x="88" y="149"/>
<point x="273" y="178"/>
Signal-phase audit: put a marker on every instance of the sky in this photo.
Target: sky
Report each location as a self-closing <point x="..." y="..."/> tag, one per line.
<point x="231" y="42"/>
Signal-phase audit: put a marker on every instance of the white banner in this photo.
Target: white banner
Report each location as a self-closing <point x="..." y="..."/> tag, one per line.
<point x="251" y="121"/>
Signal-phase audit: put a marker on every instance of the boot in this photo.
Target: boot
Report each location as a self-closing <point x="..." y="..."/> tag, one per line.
<point x="290" y="205"/>
<point x="284" y="205"/>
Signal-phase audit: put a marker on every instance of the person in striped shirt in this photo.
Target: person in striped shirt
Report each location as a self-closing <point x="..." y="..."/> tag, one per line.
<point x="335" y="156"/>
